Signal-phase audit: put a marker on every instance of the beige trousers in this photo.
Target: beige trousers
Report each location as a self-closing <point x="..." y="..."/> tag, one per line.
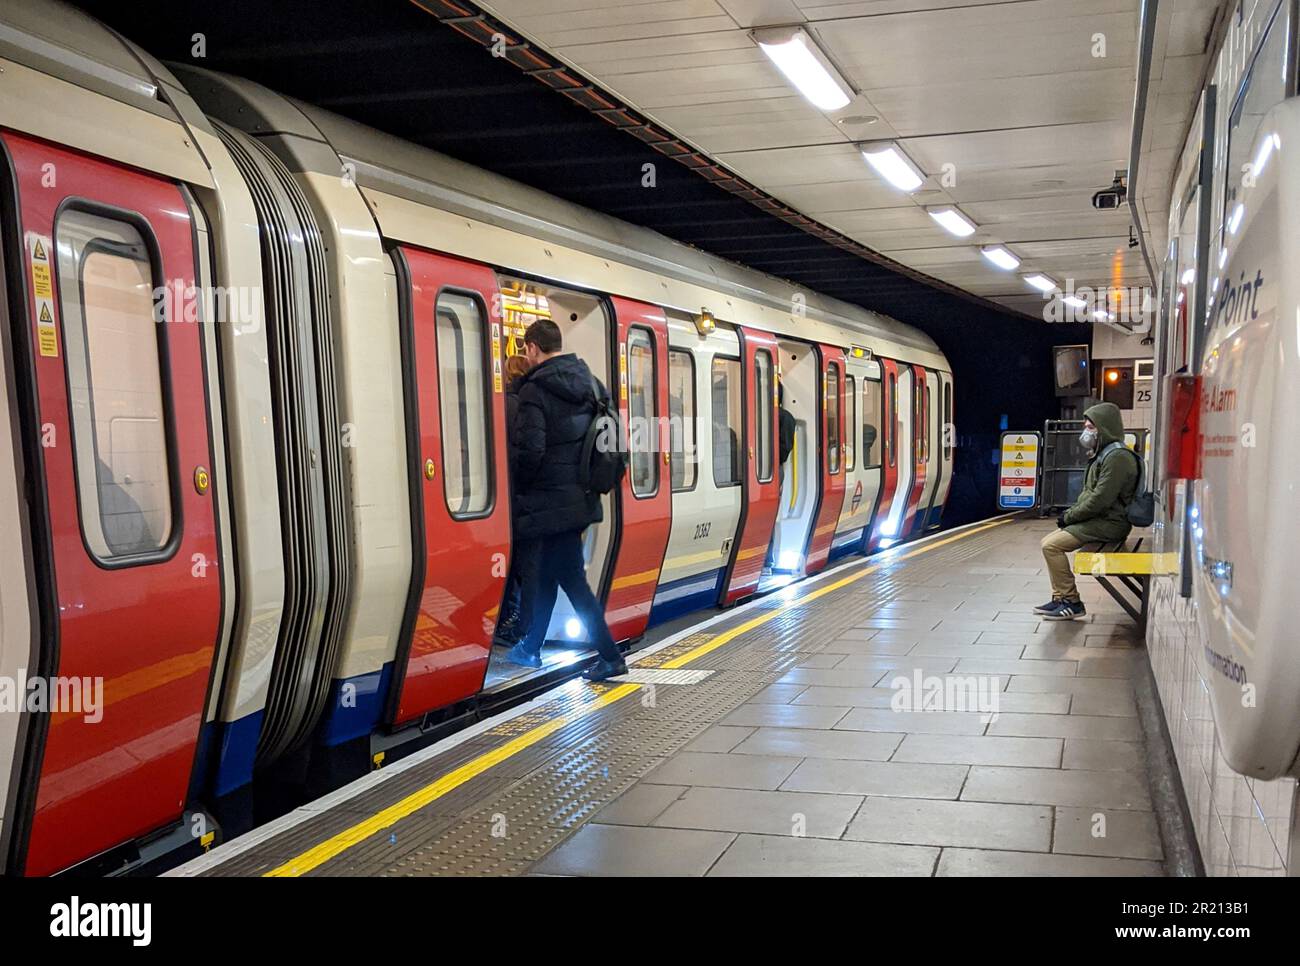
<point x="1056" y="549"/>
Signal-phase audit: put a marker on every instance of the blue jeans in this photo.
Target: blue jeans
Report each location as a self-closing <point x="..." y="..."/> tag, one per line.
<point x="546" y="565"/>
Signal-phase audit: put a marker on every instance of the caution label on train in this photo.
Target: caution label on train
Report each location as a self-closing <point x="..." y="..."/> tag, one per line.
<point x="1018" y="471"/>
<point x="47" y="335"/>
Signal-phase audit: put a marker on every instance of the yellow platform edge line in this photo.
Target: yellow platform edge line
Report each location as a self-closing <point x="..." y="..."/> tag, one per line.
<point x="342" y="841"/>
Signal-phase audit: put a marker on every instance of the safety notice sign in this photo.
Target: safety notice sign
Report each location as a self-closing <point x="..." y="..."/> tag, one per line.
<point x="1018" y="471"/>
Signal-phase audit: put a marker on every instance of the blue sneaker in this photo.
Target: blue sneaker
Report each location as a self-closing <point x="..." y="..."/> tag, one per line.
<point x="1050" y="607"/>
<point x="1068" y="611"/>
<point x="517" y="655"/>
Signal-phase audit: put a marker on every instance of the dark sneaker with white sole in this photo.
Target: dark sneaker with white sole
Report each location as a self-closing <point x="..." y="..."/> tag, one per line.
<point x="1050" y="606"/>
<point x="603" y="670"/>
<point x="1067" y="611"/>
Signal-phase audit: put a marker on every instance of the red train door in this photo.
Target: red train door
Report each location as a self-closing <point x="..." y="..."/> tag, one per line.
<point x="889" y="458"/>
<point x="830" y="361"/>
<point x="645" y="498"/>
<point x="761" y="477"/>
<point x="451" y="319"/>
<point x="920" y="446"/>
<point x="124" y="522"/>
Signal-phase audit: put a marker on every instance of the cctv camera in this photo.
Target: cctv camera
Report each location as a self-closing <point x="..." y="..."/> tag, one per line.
<point x="1108" y="199"/>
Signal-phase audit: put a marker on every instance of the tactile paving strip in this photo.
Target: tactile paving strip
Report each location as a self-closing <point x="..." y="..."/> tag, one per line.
<point x="505" y="820"/>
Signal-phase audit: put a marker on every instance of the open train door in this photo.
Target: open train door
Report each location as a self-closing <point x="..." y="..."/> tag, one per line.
<point x="119" y="459"/>
<point x="889" y="460"/>
<point x="645" y="495"/>
<point x="916" y="500"/>
<point x="460" y="503"/>
<point x="830" y="360"/>
<point x="760" y="479"/>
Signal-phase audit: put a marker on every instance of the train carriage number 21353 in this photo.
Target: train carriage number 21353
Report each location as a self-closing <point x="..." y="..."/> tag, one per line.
<point x="702" y="530"/>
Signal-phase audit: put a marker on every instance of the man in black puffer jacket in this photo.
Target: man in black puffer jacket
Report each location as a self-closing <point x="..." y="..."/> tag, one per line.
<point x="557" y="402"/>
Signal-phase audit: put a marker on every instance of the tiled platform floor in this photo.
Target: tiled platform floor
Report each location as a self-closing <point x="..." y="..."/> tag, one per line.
<point x="816" y="775"/>
<point x="782" y="753"/>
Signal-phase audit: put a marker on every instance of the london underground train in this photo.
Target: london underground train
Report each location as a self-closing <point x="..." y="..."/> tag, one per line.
<point x="253" y="474"/>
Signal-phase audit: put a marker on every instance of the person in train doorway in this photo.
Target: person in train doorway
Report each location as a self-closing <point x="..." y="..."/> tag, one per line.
<point x="785" y="425"/>
<point x="1100" y="513"/>
<point x="557" y="402"/>
<point x="508" y="631"/>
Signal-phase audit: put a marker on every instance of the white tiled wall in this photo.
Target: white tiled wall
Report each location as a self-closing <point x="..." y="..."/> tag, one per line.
<point x="1243" y="826"/>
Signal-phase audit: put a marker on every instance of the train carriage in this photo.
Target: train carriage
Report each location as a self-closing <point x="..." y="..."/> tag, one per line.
<point x="254" y="472"/>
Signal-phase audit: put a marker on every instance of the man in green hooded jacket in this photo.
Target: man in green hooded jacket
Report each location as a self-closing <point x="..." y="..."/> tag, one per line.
<point x="1099" y="515"/>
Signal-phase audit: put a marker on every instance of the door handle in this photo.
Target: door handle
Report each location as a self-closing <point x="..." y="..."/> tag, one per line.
<point x="430" y="469"/>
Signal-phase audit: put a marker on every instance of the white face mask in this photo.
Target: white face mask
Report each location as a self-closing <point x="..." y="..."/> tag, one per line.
<point x="1088" y="438"/>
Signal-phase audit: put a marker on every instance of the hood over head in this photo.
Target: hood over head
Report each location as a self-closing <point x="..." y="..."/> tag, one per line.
<point x="1110" y="424"/>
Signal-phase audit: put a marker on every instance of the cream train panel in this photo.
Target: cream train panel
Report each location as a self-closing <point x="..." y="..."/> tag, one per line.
<point x="63" y="112"/>
<point x="17" y="593"/>
<point x="372" y="414"/>
<point x="250" y="435"/>
<point x="861" y="483"/>
<point x="705" y="517"/>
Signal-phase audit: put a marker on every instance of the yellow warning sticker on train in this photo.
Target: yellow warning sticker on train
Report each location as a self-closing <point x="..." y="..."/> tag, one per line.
<point x="47" y="336"/>
<point x="42" y="284"/>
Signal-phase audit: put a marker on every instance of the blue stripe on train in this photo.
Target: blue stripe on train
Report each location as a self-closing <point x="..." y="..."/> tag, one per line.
<point x="355" y="707"/>
<point x="685" y="595"/>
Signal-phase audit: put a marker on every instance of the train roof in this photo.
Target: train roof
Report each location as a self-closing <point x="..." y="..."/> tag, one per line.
<point x="406" y="170"/>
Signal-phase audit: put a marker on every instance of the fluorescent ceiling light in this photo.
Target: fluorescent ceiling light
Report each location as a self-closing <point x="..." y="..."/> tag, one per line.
<point x="798" y="57"/>
<point x="953" y="221"/>
<point x="1041" y="282"/>
<point x="1074" y="302"/>
<point x="1101" y="316"/>
<point x="1000" y="257"/>
<point x="1188" y="277"/>
<point x="893" y="165"/>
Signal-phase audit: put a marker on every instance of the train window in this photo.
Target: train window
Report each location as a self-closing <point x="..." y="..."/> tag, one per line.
<point x="764" y="393"/>
<point x="463" y="400"/>
<point x="642" y="426"/>
<point x="947" y="427"/>
<point x="681" y="419"/>
<point x="119" y="418"/>
<point x="726" y="421"/>
<point x="1264" y="87"/>
<point x="871" y="441"/>
<point x="850" y="421"/>
<point x="832" y="418"/>
<point x="891" y="424"/>
<point x="925" y="426"/>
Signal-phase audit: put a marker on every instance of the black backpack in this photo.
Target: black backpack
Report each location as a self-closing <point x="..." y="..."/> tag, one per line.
<point x="604" y="459"/>
<point x="1141" y="509"/>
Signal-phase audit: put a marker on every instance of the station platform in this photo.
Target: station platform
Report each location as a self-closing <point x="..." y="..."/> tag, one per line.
<point x="766" y="740"/>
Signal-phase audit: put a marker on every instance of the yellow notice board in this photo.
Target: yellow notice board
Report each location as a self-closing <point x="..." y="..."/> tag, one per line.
<point x="1018" y="471"/>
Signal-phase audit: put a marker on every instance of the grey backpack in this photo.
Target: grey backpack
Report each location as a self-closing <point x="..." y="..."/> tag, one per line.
<point x="1141" y="510"/>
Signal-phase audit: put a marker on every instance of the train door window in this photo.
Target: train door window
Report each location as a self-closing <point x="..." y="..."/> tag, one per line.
<point x="947" y="428"/>
<point x="763" y="394"/>
<point x="925" y="426"/>
<point x="463" y="399"/>
<point x="850" y="422"/>
<point x="642" y="427"/>
<point x="726" y="421"/>
<point x="681" y="419"/>
<point x="833" y="418"/>
<point x="891" y="424"/>
<point x="1264" y="87"/>
<point x="116" y="389"/>
<point x="871" y="441"/>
